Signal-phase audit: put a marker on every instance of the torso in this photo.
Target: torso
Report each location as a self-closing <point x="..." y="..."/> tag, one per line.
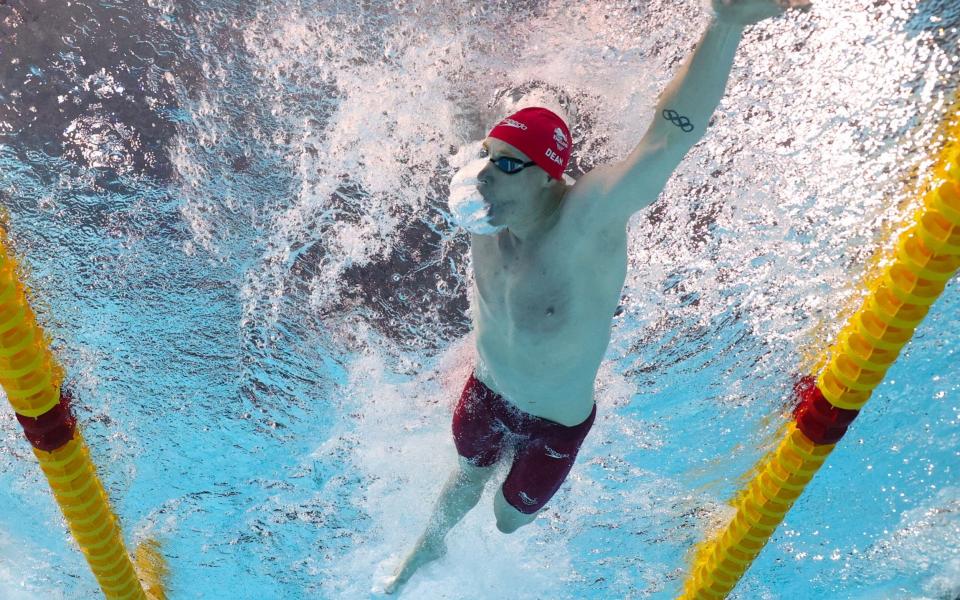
<point x="542" y="311"/>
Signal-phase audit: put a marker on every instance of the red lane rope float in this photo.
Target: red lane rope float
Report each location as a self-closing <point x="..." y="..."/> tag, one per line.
<point x="32" y="378"/>
<point x="52" y="429"/>
<point x="927" y="255"/>
<point x="820" y="421"/>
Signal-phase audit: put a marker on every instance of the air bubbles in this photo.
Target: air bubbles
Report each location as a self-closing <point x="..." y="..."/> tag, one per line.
<point x="101" y="141"/>
<point x="104" y="85"/>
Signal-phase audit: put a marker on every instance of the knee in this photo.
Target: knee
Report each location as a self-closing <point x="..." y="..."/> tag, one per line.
<point x="509" y="519"/>
<point x="504" y="528"/>
<point x="514" y="521"/>
<point x="508" y="526"/>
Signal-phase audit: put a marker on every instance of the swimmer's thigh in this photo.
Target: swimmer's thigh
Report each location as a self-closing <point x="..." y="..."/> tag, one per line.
<point x="476" y="432"/>
<point x="472" y="474"/>
<point x="539" y="468"/>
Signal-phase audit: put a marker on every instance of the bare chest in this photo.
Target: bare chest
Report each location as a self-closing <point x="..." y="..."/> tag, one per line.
<point x="526" y="292"/>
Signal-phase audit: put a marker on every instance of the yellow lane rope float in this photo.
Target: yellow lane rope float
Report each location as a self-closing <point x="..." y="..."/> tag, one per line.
<point x="32" y="379"/>
<point x="927" y="255"/>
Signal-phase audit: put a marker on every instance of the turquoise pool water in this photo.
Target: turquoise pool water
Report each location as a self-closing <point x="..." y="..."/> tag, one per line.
<point x="233" y="222"/>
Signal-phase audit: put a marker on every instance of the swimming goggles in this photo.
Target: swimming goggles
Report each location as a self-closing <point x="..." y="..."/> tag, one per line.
<point x="511" y="165"/>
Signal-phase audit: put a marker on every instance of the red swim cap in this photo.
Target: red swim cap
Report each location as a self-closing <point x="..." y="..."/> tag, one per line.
<point x="541" y="135"/>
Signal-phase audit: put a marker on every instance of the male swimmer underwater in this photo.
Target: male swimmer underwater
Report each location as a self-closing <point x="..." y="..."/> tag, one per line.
<point x="549" y="261"/>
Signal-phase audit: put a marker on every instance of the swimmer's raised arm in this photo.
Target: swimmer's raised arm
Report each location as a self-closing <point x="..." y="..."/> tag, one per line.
<point x="685" y="106"/>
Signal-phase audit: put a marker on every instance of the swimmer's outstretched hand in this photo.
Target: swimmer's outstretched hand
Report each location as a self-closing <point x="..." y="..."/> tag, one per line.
<point x="747" y="12"/>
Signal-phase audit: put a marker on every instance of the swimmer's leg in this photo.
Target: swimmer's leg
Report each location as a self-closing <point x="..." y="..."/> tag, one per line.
<point x="509" y="519"/>
<point x="460" y="494"/>
<point x="540" y="466"/>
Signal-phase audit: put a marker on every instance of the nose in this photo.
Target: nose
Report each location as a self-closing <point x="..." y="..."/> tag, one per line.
<point x="486" y="173"/>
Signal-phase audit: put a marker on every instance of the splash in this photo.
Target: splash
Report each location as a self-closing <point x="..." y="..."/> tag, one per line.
<point x="285" y="303"/>
<point x="470" y="210"/>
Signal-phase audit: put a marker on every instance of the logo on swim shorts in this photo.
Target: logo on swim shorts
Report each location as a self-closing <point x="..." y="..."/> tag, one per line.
<point x="527" y="499"/>
<point x="560" y="139"/>
<point x="513" y="123"/>
<point x="554" y="454"/>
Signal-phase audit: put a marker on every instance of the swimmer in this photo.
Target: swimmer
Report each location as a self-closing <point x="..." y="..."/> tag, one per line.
<point x="550" y="261"/>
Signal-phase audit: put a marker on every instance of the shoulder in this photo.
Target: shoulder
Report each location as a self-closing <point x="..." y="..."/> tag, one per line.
<point x="604" y="199"/>
<point x="587" y="206"/>
<point x="610" y="194"/>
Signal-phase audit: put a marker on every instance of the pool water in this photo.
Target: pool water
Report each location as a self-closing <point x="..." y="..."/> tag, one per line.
<point x="232" y="220"/>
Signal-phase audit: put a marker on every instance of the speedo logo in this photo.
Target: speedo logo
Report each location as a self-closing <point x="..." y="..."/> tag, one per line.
<point x="553" y="453"/>
<point x="513" y="123"/>
<point x="527" y="499"/>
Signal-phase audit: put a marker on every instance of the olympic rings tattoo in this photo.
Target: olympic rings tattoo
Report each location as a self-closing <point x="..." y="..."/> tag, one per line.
<point x="679" y="120"/>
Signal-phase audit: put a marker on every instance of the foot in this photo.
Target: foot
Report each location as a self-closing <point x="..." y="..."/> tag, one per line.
<point x="423" y="553"/>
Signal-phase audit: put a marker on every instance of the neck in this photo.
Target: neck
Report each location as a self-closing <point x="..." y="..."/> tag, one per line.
<point x="543" y="219"/>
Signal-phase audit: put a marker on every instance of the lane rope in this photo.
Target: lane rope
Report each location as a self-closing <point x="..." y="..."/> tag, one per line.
<point x="927" y="255"/>
<point x="32" y="379"/>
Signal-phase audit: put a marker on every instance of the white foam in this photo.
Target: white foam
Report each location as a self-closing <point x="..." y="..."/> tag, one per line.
<point x="469" y="208"/>
<point x="765" y="224"/>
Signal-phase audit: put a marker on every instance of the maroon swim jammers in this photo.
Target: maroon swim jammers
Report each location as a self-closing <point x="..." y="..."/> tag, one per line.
<point x="485" y="424"/>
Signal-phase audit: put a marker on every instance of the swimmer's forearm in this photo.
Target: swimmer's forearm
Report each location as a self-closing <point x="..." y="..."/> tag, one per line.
<point x="685" y="106"/>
